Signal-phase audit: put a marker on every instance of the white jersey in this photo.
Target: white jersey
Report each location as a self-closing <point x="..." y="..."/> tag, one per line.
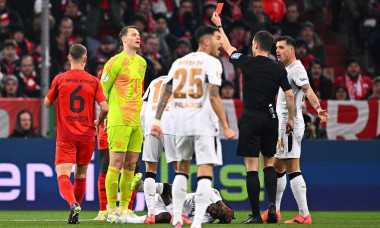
<point x="192" y="110"/>
<point x="297" y="77"/>
<point x="189" y="205"/>
<point x="148" y="111"/>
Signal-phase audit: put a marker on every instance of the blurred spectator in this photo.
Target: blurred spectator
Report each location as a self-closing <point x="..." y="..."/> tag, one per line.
<point x="64" y="39"/>
<point x="302" y="52"/>
<point x="9" y="19"/>
<point x="275" y="9"/>
<point x="29" y="79"/>
<point x="163" y="6"/>
<point x="372" y="24"/>
<point x="315" y="44"/>
<point x="145" y="9"/>
<point x="209" y="7"/>
<point x="106" y="50"/>
<point x="72" y="11"/>
<point x="8" y="58"/>
<point x="24" y="126"/>
<point x="35" y="33"/>
<point x="227" y="90"/>
<point x="256" y="17"/>
<point x="340" y="93"/>
<point x="66" y="66"/>
<point x="167" y="40"/>
<point x="151" y="48"/>
<point x="321" y="85"/>
<point x="374" y="92"/>
<point x="356" y="83"/>
<point x="183" y="47"/>
<point x="239" y="36"/>
<point x="233" y="8"/>
<point x="24" y="46"/>
<point x="312" y="128"/>
<point x="291" y="24"/>
<point x="11" y="87"/>
<point x="183" y="22"/>
<point x="139" y="21"/>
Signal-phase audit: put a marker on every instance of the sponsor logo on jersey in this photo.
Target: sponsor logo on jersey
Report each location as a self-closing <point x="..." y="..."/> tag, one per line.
<point x="303" y="79"/>
<point x="236" y="55"/>
<point x="105" y="77"/>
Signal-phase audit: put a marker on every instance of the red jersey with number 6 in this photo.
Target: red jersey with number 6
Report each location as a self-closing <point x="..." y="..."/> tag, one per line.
<point x="76" y="92"/>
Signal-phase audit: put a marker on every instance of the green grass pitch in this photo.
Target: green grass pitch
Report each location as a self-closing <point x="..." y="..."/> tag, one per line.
<point x="59" y="219"/>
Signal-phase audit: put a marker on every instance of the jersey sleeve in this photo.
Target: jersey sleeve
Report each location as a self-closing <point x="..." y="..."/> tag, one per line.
<point x="299" y="76"/>
<point x="99" y="96"/>
<point x="238" y="59"/>
<point x="215" y="196"/>
<point x="214" y="72"/>
<point x="284" y="82"/>
<point x="53" y="92"/>
<point x="110" y="72"/>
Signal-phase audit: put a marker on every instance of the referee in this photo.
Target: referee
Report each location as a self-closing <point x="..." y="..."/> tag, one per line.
<point x="258" y="125"/>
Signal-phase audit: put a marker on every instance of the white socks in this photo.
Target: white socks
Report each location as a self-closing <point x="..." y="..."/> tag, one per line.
<point x="202" y="200"/>
<point x="150" y="192"/>
<point x="298" y="186"/>
<point x="281" y="185"/>
<point x="179" y="191"/>
<point x="159" y="188"/>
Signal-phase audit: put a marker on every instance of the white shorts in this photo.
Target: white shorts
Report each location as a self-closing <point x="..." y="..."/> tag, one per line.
<point x="289" y="150"/>
<point x="154" y="147"/>
<point x="204" y="147"/>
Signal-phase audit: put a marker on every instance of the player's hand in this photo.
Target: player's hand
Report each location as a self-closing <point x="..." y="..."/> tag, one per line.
<point x="97" y="127"/>
<point x="229" y="213"/>
<point x="156" y="131"/>
<point x="289" y="126"/>
<point x="322" y="114"/>
<point x="216" y="19"/>
<point x="229" y="133"/>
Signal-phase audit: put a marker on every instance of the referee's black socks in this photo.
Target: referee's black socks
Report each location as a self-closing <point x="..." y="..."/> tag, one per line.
<point x="270" y="179"/>
<point x="253" y="189"/>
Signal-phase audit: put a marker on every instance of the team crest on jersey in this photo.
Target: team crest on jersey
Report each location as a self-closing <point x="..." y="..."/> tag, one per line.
<point x="236" y="55"/>
<point x="105" y="77"/>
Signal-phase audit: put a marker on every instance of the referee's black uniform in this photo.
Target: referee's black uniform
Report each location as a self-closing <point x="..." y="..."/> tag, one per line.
<point x="258" y="124"/>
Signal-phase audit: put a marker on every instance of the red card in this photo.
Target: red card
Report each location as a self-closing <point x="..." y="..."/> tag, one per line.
<point x="219" y="8"/>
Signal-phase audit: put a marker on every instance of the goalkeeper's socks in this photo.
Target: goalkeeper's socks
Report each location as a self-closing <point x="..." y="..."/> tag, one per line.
<point x="102" y="191"/>
<point x="79" y="188"/>
<point x="112" y="186"/>
<point x="281" y="185"/>
<point x="125" y="191"/>
<point x="298" y="186"/>
<point x="270" y="179"/>
<point x="66" y="188"/>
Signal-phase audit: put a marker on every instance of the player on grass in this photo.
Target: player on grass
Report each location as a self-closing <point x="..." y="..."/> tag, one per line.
<point x="287" y="157"/>
<point x="74" y="93"/>
<point x="194" y="81"/>
<point x="153" y="147"/>
<point x="122" y="82"/>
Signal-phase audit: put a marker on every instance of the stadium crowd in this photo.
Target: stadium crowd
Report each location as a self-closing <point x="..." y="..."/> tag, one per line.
<point x="337" y="40"/>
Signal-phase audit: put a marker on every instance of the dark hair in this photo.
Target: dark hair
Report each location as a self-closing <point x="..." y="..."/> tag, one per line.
<point x="183" y="1"/>
<point x="137" y="17"/>
<point x="290" y="4"/>
<point x="316" y="61"/>
<point x="289" y="40"/>
<point x="124" y="31"/>
<point x="352" y="60"/>
<point x="9" y="43"/>
<point x="26" y="56"/>
<point x="203" y="31"/>
<point x="341" y="87"/>
<point x="77" y="51"/>
<point x="151" y="36"/>
<point x="159" y="16"/>
<point x="264" y="39"/>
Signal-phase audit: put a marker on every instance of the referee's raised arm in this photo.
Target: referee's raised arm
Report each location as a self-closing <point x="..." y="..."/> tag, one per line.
<point x="225" y="42"/>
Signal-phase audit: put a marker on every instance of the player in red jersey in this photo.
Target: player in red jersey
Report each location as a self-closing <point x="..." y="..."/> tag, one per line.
<point x="74" y="93"/>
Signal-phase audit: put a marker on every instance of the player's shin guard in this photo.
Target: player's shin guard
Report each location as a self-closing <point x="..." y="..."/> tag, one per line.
<point x="150" y="191"/>
<point x="125" y="191"/>
<point x="179" y="191"/>
<point x="102" y="191"/>
<point x="202" y="199"/>
<point x="298" y="186"/>
<point x="112" y="187"/>
<point x="79" y="188"/>
<point x="281" y="185"/>
<point x="66" y="188"/>
<point x="253" y="189"/>
<point x="270" y="179"/>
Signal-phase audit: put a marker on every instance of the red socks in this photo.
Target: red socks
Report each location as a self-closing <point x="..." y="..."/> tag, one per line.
<point x="66" y="189"/>
<point x="132" y="199"/>
<point x="79" y="188"/>
<point x="102" y="191"/>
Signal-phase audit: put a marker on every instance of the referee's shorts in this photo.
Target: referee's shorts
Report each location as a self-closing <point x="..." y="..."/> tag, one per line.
<point x="258" y="132"/>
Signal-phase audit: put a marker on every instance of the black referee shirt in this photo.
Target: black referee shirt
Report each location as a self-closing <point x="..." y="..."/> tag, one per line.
<point x="262" y="78"/>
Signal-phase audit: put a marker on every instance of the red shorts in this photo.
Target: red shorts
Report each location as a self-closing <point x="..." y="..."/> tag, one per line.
<point x="102" y="139"/>
<point x="74" y="152"/>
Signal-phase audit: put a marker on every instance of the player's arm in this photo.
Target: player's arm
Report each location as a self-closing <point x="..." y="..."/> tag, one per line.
<point x="156" y="129"/>
<point x="48" y="103"/>
<point x="110" y="72"/>
<point x="228" y="211"/>
<point x="217" y="105"/>
<point x="225" y="42"/>
<point x="52" y="94"/>
<point x="309" y="93"/>
<point x="102" y="115"/>
<point x="290" y="105"/>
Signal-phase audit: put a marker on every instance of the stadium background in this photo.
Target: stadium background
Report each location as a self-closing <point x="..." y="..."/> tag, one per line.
<point x="340" y="160"/>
